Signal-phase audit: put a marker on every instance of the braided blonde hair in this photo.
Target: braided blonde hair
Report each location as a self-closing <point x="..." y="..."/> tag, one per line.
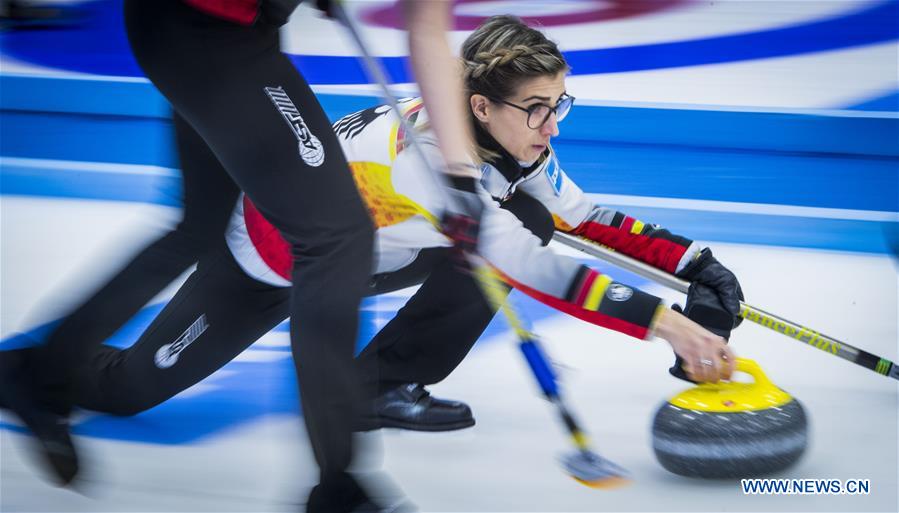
<point x="501" y="54"/>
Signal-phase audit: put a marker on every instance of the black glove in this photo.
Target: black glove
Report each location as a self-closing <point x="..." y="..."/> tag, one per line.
<point x="462" y="220"/>
<point x="706" y="305"/>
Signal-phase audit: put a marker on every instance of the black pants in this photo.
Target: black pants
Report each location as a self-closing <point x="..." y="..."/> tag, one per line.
<point x="220" y="311"/>
<point x="208" y="197"/>
<point x="266" y="133"/>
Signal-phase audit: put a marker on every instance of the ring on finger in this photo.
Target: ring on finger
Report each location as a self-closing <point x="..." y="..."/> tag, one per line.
<point x="706" y="362"/>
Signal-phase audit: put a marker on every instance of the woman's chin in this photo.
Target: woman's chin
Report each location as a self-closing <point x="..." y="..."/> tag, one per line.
<point x="527" y="156"/>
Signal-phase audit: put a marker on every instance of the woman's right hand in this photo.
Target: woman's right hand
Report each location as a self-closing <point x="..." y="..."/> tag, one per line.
<point x="707" y="358"/>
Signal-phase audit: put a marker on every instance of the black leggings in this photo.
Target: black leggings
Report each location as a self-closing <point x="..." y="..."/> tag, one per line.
<point x="220" y="311"/>
<point x="265" y="133"/>
<point x="208" y="197"/>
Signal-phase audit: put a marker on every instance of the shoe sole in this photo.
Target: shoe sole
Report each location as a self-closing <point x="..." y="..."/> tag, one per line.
<point x="387" y="422"/>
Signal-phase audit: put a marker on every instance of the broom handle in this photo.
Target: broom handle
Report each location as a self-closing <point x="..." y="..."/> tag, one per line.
<point x="487" y="280"/>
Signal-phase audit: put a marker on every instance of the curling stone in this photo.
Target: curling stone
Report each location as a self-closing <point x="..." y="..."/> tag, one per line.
<point x="730" y="429"/>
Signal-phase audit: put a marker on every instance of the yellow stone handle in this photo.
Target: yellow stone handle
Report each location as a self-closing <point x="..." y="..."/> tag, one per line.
<point x="752" y="368"/>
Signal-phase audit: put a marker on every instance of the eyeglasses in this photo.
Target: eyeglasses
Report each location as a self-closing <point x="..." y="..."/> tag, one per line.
<point x="538" y="113"/>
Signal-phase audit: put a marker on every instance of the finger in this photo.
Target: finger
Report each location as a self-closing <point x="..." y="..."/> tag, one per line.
<point x="720" y="368"/>
<point x="730" y="360"/>
<point x="705" y="368"/>
<point x="723" y="359"/>
<point x="714" y="367"/>
<point x="691" y="361"/>
<point x="691" y="370"/>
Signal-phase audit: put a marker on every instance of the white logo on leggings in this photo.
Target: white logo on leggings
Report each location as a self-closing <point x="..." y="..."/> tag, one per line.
<point x="167" y="355"/>
<point x="310" y="147"/>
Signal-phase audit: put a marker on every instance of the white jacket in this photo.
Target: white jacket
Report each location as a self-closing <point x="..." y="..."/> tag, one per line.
<point x="406" y="202"/>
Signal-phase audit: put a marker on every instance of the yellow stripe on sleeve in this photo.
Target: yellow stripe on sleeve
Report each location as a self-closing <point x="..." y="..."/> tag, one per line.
<point x="594" y="297"/>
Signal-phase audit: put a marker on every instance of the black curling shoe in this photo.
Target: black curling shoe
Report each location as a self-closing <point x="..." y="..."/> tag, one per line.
<point x="412" y="407"/>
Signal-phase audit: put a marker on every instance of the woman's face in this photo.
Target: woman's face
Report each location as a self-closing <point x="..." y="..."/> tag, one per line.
<point x="509" y="125"/>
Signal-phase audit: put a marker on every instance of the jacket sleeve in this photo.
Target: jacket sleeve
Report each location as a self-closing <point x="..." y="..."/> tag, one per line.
<point x="574" y="213"/>
<point x="562" y="282"/>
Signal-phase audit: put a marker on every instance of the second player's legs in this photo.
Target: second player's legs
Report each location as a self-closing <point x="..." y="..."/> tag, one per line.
<point x="214" y="316"/>
<point x="208" y="195"/>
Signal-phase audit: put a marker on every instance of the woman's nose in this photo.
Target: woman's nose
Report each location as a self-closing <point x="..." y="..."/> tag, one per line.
<point x="551" y="127"/>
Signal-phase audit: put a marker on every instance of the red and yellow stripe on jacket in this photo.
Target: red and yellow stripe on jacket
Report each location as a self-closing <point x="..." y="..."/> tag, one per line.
<point x="645" y="242"/>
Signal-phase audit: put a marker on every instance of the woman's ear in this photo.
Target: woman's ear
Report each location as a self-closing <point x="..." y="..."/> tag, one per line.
<point x="479" y="107"/>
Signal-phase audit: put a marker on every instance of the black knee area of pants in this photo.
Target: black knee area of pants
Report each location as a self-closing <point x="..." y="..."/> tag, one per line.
<point x="532" y="214"/>
<point x="133" y="395"/>
<point x="127" y="400"/>
<point x="128" y="409"/>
